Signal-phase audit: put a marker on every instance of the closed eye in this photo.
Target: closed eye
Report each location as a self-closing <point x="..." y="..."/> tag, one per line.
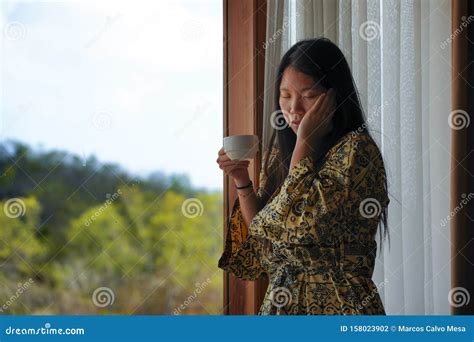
<point x="304" y="97"/>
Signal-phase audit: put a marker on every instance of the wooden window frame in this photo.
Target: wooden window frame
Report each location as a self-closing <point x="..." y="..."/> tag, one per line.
<point x="244" y="70"/>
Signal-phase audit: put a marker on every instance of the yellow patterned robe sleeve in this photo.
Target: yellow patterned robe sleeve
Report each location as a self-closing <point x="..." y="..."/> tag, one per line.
<point x="311" y="202"/>
<point x="242" y="252"/>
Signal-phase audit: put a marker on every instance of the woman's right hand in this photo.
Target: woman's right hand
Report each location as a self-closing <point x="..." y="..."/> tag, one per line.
<point x="237" y="169"/>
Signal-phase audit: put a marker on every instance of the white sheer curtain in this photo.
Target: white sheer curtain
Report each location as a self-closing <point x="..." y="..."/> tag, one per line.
<point x="402" y="70"/>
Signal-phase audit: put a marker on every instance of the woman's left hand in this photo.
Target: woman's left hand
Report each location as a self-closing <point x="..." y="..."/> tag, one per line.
<point x="317" y="122"/>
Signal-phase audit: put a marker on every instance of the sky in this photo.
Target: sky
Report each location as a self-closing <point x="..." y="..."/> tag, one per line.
<point x="138" y="83"/>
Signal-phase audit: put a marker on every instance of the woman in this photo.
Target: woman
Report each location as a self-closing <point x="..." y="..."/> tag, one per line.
<point x="311" y="225"/>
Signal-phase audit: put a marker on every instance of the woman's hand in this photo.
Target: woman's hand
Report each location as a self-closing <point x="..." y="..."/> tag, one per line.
<point x="237" y="169"/>
<point x="317" y="122"/>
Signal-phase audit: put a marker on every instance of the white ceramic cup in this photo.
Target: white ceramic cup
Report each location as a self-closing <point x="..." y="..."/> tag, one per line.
<point x="241" y="147"/>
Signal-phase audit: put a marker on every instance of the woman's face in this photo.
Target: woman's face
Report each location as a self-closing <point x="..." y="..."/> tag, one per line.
<point x="298" y="93"/>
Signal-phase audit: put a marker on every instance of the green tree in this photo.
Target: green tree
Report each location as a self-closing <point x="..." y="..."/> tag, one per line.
<point x="21" y="251"/>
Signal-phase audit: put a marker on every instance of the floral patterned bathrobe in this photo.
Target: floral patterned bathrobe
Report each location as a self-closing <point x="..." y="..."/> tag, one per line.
<point x="322" y="225"/>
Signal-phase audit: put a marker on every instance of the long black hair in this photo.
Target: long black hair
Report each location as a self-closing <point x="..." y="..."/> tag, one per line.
<point x="325" y="63"/>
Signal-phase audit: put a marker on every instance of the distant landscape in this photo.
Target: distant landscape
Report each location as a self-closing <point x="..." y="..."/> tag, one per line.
<point x="78" y="236"/>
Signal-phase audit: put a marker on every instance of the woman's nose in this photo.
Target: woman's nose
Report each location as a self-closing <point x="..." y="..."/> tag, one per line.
<point x="296" y="108"/>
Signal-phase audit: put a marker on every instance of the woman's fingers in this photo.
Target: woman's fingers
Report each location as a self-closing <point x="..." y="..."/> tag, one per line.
<point x="325" y="110"/>
<point x="230" y="169"/>
<point x="235" y="163"/>
<point x="317" y="104"/>
<point x="222" y="156"/>
<point x="329" y="102"/>
<point x="225" y="163"/>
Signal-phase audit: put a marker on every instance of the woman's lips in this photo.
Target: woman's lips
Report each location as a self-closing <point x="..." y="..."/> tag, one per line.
<point x="295" y="124"/>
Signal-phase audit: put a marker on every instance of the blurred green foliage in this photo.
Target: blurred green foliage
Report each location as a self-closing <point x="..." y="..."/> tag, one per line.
<point x="69" y="226"/>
